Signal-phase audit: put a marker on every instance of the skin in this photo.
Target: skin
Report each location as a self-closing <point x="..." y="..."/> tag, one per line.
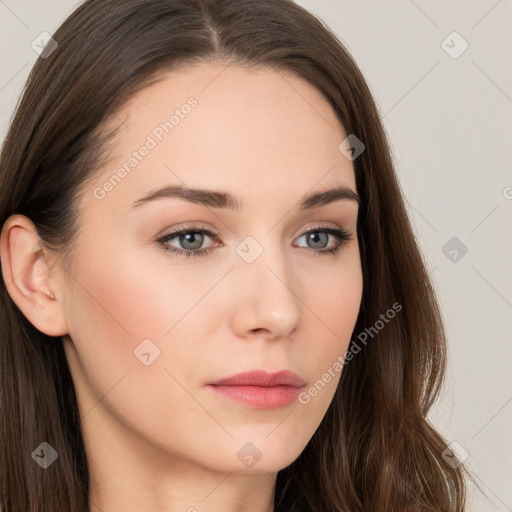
<point x="156" y="438"/>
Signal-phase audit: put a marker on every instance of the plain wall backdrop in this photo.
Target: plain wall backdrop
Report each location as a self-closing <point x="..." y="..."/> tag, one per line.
<point x="443" y="84"/>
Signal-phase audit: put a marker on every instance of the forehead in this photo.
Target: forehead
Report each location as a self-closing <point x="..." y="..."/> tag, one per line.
<point x="251" y="130"/>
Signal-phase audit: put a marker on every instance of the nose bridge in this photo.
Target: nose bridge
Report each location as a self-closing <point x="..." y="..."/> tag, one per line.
<point x="263" y="258"/>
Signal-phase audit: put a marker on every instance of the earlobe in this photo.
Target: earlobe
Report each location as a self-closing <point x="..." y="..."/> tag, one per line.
<point x="27" y="275"/>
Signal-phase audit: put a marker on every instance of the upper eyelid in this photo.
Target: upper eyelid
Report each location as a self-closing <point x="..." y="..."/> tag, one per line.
<point x="213" y="234"/>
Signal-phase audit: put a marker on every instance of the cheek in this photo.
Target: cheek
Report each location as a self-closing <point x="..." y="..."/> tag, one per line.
<point x="333" y="305"/>
<point x="342" y="310"/>
<point x="123" y="359"/>
<point x="126" y="299"/>
<point x="333" y="297"/>
<point x="124" y="309"/>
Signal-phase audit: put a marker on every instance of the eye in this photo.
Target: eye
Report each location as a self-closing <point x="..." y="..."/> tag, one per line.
<point x="192" y="238"/>
<point x="319" y="238"/>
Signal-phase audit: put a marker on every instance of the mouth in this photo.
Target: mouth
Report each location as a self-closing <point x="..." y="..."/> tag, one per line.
<point x="260" y="389"/>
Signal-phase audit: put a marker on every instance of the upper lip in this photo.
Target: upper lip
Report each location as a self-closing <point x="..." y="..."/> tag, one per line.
<point x="262" y="378"/>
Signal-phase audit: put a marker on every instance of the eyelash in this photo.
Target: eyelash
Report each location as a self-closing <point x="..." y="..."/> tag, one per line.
<point x="341" y="235"/>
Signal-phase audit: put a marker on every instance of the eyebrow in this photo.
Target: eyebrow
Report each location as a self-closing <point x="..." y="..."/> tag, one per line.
<point x="221" y="199"/>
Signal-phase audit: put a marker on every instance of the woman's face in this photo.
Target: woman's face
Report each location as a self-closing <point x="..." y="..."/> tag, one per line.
<point x="150" y="329"/>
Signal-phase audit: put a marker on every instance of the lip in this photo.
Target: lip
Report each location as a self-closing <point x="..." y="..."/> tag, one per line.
<point x="260" y="389"/>
<point x="262" y="378"/>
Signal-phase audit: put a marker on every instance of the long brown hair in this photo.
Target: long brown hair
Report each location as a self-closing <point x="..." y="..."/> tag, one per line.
<point x="375" y="449"/>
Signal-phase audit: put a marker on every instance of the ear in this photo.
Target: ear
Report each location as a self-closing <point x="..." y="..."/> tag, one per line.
<point x="27" y="276"/>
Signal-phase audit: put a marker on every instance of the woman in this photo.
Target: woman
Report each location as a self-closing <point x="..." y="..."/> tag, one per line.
<point x="213" y="297"/>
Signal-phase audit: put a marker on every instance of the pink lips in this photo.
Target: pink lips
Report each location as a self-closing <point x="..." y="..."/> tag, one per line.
<point x="260" y="389"/>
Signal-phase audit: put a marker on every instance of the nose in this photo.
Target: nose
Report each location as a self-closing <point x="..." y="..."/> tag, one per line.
<point x="266" y="301"/>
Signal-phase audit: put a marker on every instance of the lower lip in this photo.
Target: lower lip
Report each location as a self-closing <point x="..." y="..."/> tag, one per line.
<point x="259" y="397"/>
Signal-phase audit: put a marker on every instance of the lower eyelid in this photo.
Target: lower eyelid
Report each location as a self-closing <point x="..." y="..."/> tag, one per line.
<point x="340" y="235"/>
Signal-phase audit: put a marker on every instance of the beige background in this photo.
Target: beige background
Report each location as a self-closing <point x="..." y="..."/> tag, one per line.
<point x="449" y="122"/>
